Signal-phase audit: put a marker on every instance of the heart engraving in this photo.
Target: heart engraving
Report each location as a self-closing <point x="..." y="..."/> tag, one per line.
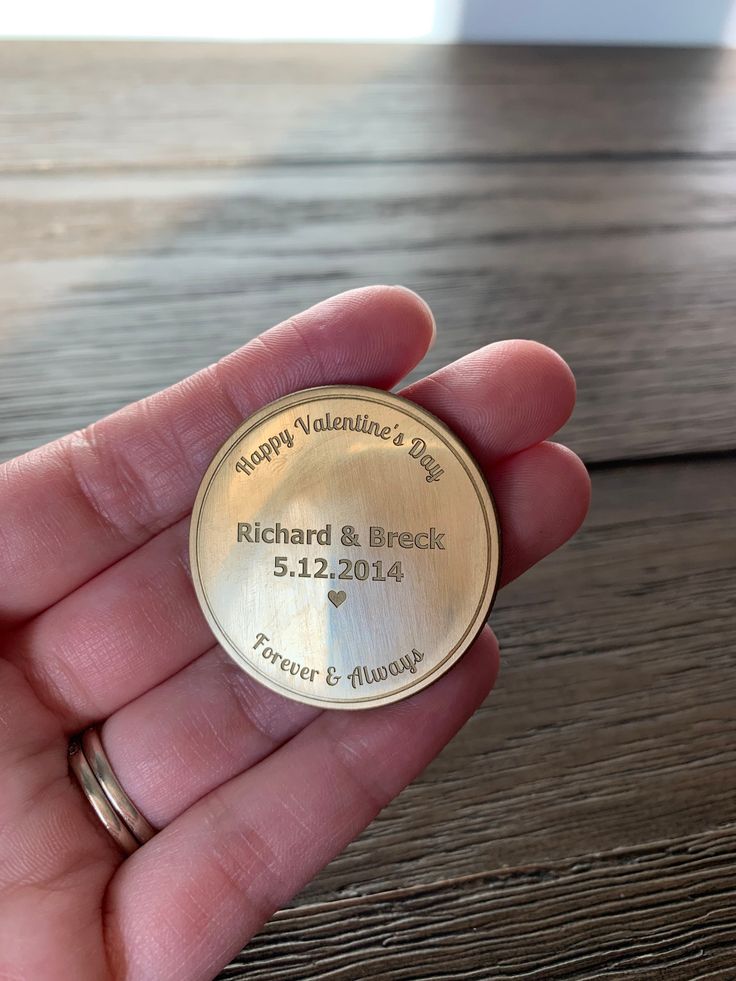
<point x="337" y="597"/>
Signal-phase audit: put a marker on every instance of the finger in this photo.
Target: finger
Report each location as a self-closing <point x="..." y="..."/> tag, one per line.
<point x="91" y="653"/>
<point x="54" y="862"/>
<point x="244" y="851"/>
<point x="211" y="720"/>
<point x="500" y="399"/>
<point x="195" y="731"/>
<point x="542" y="496"/>
<point x="73" y="507"/>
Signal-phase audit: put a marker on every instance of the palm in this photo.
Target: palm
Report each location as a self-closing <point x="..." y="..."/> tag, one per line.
<point x="100" y="622"/>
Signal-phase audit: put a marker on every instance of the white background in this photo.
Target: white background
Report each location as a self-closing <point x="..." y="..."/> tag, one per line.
<point x="709" y="22"/>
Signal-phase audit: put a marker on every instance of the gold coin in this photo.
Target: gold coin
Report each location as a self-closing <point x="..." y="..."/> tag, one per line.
<point x="344" y="547"/>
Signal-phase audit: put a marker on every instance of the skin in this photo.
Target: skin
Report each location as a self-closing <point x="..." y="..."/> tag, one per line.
<point x="253" y="794"/>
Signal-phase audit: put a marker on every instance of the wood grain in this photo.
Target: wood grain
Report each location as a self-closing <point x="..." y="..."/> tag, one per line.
<point x="113" y="286"/>
<point x="663" y="910"/>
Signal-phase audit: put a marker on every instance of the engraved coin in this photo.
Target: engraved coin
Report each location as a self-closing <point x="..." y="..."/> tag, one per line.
<point x="344" y="547"/>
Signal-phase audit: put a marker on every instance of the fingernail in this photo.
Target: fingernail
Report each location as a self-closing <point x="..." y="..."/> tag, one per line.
<point x="427" y="307"/>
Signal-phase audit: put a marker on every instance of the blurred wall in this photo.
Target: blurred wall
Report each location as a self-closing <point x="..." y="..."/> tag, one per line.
<point x="674" y="22"/>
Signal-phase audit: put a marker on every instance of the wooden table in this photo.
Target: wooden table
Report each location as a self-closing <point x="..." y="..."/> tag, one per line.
<point x="163" y="203"/>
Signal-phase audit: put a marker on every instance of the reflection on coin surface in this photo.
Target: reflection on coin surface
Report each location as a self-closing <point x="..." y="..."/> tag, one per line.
<point x="344" y="547"/>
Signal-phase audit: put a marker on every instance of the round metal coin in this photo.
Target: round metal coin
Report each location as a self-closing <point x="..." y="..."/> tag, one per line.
<point x="344" y="547"/>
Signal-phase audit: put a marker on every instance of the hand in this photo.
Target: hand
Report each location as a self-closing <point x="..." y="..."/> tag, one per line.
<point x="253" y="793"/>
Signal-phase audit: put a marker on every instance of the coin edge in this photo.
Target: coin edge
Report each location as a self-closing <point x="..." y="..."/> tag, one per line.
<point x="485" y="605"/>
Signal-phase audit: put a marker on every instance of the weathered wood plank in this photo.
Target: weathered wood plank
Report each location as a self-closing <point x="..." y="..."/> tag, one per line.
<point x="419" y="204"/>
<point x="86" y="105"/>
<point x="613" y="719"/>
<point x="661" y="910"/>
<point x="113" y="286"/>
